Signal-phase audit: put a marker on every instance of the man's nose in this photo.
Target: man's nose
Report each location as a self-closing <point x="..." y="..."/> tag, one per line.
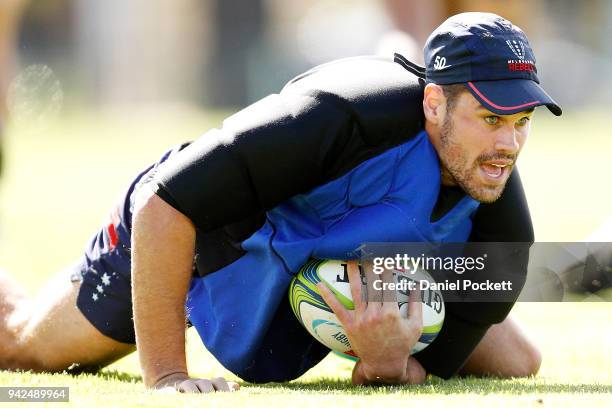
<point x="507" y="140"/>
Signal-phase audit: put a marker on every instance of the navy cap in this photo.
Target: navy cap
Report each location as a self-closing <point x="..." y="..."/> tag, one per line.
<point x="492" y="57"/>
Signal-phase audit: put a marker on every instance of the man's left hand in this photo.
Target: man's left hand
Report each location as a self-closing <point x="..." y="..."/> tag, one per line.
<point x="378" y="334"/>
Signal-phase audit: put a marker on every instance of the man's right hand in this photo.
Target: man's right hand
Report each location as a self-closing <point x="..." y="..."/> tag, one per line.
<point x="182" y="383"/>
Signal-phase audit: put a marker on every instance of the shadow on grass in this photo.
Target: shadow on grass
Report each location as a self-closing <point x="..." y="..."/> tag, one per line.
<point x="467" y="385"/>
<point x="118" y="376"/>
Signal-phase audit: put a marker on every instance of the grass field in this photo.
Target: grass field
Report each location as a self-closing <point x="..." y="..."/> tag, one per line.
<point x="61" y="181"/>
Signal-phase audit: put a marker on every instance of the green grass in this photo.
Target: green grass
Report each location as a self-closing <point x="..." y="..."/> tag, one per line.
<point x="62" y="181"/>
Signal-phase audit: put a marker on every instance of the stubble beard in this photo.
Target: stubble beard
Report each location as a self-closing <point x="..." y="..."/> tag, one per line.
<point x="454" y="160"/>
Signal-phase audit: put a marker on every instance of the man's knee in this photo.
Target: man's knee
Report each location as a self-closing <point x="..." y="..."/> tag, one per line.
<point x="505" y="351"/>
<point x="14" y="352"/>
<point x="523" y="360"/>
<point x="22" y="351"/>
<point x="529" y="360"/>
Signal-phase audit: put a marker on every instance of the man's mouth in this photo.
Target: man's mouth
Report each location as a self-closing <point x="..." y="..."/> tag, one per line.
<point x="495" y="171"/>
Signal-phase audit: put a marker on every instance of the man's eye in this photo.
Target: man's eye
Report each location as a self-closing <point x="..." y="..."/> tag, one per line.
<point x="522" y="121"/>
<point x="492" y="120"/>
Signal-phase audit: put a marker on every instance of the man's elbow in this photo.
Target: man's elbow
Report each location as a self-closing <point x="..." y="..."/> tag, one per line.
<point x="146" y="201"/>
<point x="150" y="209"/>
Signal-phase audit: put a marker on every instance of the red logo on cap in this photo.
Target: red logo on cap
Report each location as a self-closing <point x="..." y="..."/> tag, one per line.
<point x="521" y="65"/>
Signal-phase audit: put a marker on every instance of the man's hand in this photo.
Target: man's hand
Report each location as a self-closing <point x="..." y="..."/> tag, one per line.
<point x="378" y="334"/>
<point x="182" y="383"/>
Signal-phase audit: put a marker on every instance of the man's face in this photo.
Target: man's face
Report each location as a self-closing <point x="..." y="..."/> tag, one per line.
<point x="478" y="149"/>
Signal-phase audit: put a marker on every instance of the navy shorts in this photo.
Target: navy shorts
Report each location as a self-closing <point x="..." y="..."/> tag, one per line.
<point x="104" y="270"/>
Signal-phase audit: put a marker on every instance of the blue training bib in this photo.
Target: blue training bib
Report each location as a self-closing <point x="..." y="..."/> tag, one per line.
<point x="388" y="198"/>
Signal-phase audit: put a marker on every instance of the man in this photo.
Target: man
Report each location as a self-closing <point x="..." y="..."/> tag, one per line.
<point x="358" y="150"/>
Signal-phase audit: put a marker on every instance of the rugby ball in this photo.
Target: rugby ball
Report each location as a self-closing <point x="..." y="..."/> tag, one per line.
<point x="317" y="317"/>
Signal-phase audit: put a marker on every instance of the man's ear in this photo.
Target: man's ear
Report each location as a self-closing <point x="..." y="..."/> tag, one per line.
<point x="434" y="104"/>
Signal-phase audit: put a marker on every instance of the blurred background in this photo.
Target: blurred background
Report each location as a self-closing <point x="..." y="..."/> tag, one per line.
<point x="92" y="91"/>
<point x="227" y="53"/>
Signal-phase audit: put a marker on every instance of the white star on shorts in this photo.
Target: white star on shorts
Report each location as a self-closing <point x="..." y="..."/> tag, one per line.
<point x="99" y="288"/>
<point x="94" y="297"/>
<point x="105" y="279"/>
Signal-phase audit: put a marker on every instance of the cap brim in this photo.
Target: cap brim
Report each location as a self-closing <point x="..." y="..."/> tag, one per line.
<point x="510" y="96"/>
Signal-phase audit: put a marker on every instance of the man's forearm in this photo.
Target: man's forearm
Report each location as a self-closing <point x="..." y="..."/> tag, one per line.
<point x="162" y="258"/>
